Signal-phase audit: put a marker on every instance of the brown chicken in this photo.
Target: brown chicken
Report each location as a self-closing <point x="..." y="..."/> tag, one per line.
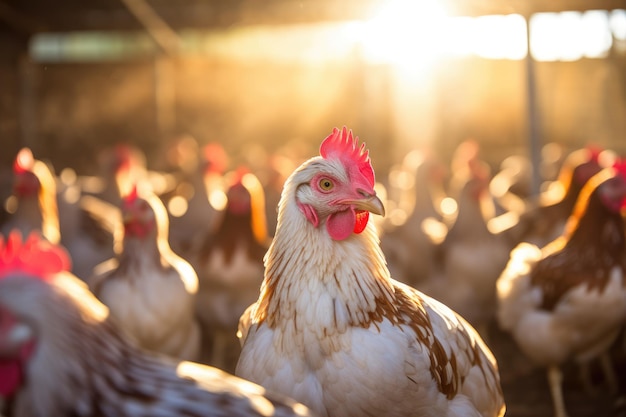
<point x="230" y="268"/>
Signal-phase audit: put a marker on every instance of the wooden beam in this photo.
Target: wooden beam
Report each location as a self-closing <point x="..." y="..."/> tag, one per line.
<point x="18" y="21"/>
<point x="167" y="39"/>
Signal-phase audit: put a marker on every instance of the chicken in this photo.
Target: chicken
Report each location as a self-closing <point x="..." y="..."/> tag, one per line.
<point x="35" y="207"/>
<point x="120" y="167"/>
<point x="88" y="225"/>
<point x="61" y="354"/>
<point x="545" y="220"/>
<point x="230" y="267"/>
<point x="278" y="169"/>
<point x="512" y="185"/>
<point x="333" y="330"/>
<point x="147" y="287"/>
<point x="418" y="195"/>
<point x="470" y="259"/>
<point x="567" y="300"/>
<point x="193" y="207"/>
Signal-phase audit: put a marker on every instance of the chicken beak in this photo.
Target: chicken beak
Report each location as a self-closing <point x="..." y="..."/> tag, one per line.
<point x="370" y="203"/>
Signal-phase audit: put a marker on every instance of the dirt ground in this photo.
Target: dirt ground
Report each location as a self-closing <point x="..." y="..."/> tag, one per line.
<point x="526" y="388"/>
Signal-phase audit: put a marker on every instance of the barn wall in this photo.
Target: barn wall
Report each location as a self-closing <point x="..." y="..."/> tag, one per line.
<point x="11" y="52"/>
<point x="584" y="102"/>
<point x="484" y="100"/>
<point x="84" y="107"/>
<point x="246" y="105"/>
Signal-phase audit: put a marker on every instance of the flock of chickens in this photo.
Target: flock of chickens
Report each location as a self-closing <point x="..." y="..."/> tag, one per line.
<point x="326" y="291"/>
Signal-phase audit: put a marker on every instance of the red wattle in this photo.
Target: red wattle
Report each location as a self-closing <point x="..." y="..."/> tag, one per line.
<point x="341" y="224"/>
<point x="361" y="221"/>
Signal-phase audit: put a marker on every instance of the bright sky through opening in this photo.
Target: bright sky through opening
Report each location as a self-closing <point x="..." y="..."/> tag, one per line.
<point x="403" y="33"/>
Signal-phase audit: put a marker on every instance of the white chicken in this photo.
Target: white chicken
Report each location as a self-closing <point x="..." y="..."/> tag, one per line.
<point x="333" y="330"/>
<point x="34" y="207"/>
<point x="62" y="354"/>
<point x="147" y="287"/>
<point x="567" y="301"/>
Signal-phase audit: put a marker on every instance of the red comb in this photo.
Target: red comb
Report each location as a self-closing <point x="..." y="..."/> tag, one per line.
<point x="124" y="159"/>
<point x="131" y="197"/>
<point x="35" y="256"/>
<point x="620" y="170"/>
<point x="216" y="157"/>
<point x="342" y="145"/>
<point x="122" y="151"/>
<point x="24" y="161"/>
<point x="620" y="167"/>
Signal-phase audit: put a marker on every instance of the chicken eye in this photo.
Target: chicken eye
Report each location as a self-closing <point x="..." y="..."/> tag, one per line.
<point x="326" y="184"/>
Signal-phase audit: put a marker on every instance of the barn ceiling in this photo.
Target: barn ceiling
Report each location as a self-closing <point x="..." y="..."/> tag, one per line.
<point x="26" y="17"/>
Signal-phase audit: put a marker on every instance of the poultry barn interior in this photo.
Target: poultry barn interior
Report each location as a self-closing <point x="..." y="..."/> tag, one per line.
<point x="209" y="103"/>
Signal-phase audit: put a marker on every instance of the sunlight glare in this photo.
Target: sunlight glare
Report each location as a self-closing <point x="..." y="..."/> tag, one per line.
<point x="177" y="206"/>
<point x="435" y="229"/>
<point x="68" y="176"/>
<point x="597" y="39"/>
<point x="218" y="199"/>
<point x="397" y="217"/>
<point x="462" y="36"/>
<point x="500" y="37"/>
<point x="402" y="180"/>
<point x="71" y="195"/>
<point x="569" y="36"/>
<point x="404" y="32"/>
<point x="559" y="32"/>
<point x="618" y="24"/>
<point x="449" y="206"/>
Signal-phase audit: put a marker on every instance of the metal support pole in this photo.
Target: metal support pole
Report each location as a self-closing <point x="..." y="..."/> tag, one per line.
<point x="532" y="117"/>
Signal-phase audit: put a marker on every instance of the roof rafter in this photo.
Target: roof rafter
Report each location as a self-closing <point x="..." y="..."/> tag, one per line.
<point x="19" y="22"/>
<point x="167" y="39"/>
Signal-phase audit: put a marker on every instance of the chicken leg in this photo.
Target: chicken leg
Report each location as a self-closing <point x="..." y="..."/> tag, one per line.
<point x="555" y="379"/>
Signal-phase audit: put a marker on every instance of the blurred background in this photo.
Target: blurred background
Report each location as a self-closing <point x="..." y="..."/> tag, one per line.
<point x="494" y="94"/>
<point x="80" y="76"/>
